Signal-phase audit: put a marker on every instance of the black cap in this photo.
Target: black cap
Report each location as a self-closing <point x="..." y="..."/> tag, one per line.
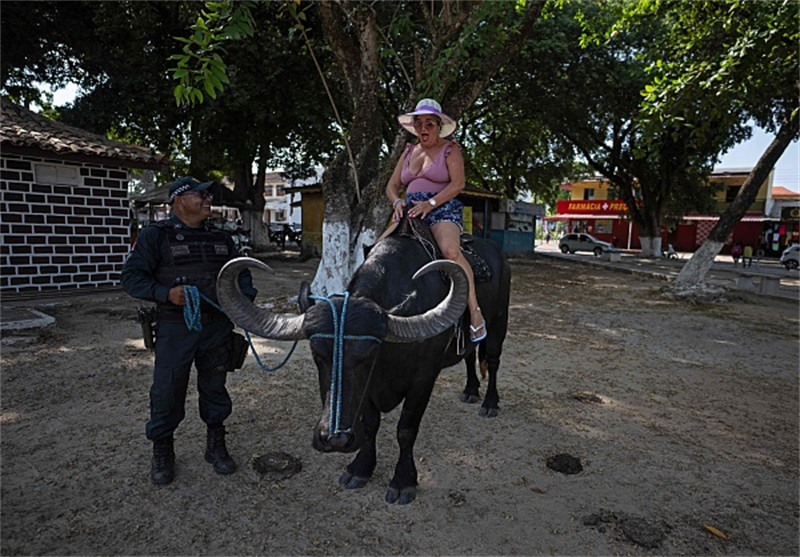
<point x="184" y="184"/>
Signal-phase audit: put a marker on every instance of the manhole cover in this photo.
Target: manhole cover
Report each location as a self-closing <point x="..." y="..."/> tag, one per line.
<point x="277" y="466"/>
<point x="564" y="463"/>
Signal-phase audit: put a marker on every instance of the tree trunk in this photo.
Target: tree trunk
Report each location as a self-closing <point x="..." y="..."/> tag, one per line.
<point x="349" y="185"/>
<point x="339" y="236"/>
<point x="650" y="235"/>
<point x="355" y="206"/>
<point x="694" y="272"/>
<point x="252" y="221"/>
<point x="651" y="246"/>
<point x="259" y="235"/>
<point x="243" y="181"/>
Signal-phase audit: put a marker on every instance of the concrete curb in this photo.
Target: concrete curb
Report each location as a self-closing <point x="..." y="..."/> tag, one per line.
<point x="618" y="266"/>
<point x="21" y="319"/>
<point x="624" y="266"/>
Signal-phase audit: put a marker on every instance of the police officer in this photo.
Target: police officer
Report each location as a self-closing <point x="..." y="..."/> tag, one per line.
<point x="169" y="254"/>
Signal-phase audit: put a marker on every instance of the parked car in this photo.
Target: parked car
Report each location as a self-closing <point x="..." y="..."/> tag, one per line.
<point x="282" y="233"/>
<point x="791" y="257"/>
<point x="577" y="241"/>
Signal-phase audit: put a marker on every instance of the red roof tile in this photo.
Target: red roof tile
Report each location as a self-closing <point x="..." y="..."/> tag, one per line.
<point x="781" y="192"/>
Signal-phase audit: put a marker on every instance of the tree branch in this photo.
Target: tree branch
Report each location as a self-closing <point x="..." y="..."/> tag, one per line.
<point x="749" y="190"/>
<point x="462" y="98"/>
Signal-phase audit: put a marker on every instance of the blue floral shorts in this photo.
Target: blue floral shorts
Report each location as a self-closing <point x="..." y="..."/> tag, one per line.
<point x="452" y="211"/>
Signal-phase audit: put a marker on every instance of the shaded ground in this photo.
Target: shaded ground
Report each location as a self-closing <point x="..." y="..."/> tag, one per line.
<point x="681" y="417"/>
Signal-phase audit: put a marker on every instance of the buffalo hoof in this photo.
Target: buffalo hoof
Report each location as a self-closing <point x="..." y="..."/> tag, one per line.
<point x="469" y="399"/>
<point x="349" y="481"/>
<point x="401" y="497"/>
<point x="487" y="412"/>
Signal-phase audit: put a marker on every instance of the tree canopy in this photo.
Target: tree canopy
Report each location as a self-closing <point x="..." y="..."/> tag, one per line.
<point x="647" y="93"/>
<point x="269" y="116"/>
<point x="121" y="61"/>
<point x="388" y="55"/>
<point x="722" y="64"/>
<point x="584" y="85"/>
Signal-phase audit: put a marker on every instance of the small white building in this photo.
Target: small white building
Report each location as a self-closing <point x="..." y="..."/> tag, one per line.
<point x="65" y="220"/>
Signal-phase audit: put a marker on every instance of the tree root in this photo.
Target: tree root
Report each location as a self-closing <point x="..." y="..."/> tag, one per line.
<point x="698" y="294"/>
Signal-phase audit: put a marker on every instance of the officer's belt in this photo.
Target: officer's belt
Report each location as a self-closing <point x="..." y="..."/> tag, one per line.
<point x="207" y="315"/>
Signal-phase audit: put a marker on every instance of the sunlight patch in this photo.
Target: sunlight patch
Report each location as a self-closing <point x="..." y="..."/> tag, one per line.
<point x="9" y="417"/>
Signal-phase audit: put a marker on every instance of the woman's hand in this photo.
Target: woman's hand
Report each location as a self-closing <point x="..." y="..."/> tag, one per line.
<point x="397" y="214"/>
<point x="420" y="209"/>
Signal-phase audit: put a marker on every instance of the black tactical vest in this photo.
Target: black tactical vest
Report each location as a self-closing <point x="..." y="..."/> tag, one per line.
<point x="197" y="255"/>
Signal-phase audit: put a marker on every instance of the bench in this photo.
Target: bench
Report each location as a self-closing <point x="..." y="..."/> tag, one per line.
<point x="768" y="284"/>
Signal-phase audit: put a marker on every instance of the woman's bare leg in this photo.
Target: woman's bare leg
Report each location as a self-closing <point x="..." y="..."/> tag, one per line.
<point x="448" y="236"/>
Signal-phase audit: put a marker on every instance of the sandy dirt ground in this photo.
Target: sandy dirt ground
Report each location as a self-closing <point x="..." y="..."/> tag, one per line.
<point x="683" y="417"/>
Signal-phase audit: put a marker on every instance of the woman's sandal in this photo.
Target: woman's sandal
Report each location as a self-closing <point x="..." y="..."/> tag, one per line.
<point x="477" y="334"/>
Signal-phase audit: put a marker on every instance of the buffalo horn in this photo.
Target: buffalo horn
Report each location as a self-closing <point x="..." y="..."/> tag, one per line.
<point x="438" y="319"/>
<point x="245" y="313"/>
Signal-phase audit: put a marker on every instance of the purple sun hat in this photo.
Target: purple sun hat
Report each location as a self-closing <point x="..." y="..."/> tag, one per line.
<point x="427" y="106"/>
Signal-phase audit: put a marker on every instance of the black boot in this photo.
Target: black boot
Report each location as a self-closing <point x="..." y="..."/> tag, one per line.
<point x="162" y="465"/>
<point x="217" y="453"/>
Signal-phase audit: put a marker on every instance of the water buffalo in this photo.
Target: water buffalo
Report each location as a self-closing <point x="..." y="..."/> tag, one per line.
<point x="383" y="342"/>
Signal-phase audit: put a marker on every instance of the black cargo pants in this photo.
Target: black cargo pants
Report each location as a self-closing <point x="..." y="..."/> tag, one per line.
<point x="176" y="349"/>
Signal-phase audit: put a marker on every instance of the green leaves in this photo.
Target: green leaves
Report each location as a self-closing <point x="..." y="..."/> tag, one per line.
<point x="200" y="68"/>
<point x="726" y="57"/>
<point x="484" y="29"/>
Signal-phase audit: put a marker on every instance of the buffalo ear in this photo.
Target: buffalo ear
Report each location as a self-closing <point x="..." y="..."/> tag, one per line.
<point x="304" y="300"/>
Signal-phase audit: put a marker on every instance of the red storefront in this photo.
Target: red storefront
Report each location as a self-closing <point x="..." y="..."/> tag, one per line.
<point x="752" y="230"/>
<point x="607" y="220"/>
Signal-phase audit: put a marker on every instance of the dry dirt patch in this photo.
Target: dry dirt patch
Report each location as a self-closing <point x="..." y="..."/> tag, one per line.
<point x="681" y="416"/>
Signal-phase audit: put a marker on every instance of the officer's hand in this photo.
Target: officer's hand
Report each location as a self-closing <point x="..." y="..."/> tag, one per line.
<point x="176" y="296"/>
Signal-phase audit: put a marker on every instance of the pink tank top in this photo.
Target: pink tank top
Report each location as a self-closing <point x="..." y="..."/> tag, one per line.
<point x="434" y="178"/>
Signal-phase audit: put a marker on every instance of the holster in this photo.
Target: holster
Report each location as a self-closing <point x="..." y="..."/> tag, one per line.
<point x="148" y="319"/>
<point x="238" y="352"/>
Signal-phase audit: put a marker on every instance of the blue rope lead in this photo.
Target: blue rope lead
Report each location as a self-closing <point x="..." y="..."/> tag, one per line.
<point x="191" y="311"/>
<point x="193" y="320"/>
<point x="337" y="361"/>
<point x="260" y="363"/>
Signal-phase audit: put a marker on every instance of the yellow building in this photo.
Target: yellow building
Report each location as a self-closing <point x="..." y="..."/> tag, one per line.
<point x="479" y="205"/>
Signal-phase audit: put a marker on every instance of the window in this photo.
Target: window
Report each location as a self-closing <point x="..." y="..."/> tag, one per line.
<point x="56" y="174"/>
<point x="602" y="226"/>
<point x="588" y="193"/>
<point x="731" y="192"/>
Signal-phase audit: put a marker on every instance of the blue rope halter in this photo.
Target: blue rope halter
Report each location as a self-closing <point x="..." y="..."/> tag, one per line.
<point x="191" y="316"/>
<point x="338" y="337"/>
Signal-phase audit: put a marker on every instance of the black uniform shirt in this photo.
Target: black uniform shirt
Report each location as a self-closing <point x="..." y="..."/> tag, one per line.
<point x="151" y="251"/>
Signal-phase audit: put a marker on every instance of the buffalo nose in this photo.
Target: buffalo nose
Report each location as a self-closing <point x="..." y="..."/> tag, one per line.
<point x="340" y="440"/>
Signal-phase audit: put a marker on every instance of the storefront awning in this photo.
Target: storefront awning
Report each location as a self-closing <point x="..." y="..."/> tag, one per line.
<point x="589" y="216"/>
<point x="746" y="218"/>
<point x="582" y="216"/>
